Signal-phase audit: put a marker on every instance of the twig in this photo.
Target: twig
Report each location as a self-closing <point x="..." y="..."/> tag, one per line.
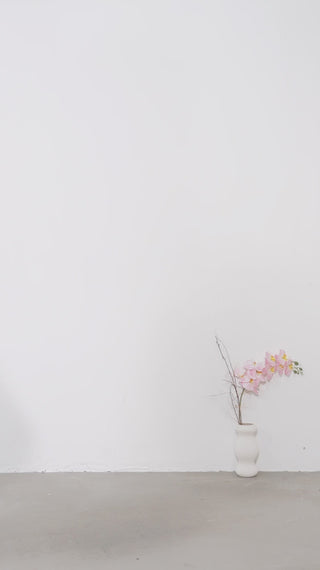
<point x="236" y="405"/>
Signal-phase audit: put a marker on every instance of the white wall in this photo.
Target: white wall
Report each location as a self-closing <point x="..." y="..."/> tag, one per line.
<point x="159" y="183"/>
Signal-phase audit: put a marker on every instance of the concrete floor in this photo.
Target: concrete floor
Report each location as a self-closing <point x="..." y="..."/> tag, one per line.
<point x="200" y="521"/>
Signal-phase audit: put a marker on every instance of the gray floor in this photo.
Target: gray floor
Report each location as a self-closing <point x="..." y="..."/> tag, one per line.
<point x="160" y="521"/>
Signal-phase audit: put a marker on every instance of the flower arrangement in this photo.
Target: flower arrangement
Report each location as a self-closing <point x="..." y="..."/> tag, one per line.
<point x="252" y="374"/>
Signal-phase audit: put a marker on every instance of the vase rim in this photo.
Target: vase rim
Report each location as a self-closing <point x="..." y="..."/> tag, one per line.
<point x="246" y="427"/>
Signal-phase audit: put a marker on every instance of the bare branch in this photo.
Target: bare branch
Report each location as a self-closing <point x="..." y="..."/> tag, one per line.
<point x="236" y="400"/>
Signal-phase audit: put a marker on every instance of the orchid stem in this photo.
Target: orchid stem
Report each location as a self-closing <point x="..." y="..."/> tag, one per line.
<point x="240" y="402"/>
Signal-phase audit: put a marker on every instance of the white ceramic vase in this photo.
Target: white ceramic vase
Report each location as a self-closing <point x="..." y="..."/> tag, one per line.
<point x="246" y="450"/>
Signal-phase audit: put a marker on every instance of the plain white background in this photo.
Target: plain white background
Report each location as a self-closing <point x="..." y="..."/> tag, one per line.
<point x="159" y="184"/>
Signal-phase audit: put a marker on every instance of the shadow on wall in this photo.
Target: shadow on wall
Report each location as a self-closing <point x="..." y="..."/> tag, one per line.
<point x="14" y="439"/>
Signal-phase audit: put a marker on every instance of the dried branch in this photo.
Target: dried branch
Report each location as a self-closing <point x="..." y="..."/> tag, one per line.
<point x="235" y="398"/>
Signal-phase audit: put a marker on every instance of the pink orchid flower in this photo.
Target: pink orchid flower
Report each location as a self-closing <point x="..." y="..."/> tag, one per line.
<point x="288" y="367"/>
<point x="259" y="370"/>
<point x="239" y="372"/>
<point x="281" y="357"/>
<point x="250" y="365"/>
<point x="270" y="359"/>
<point x="270" y="367"/>
<point x="250" y="382"/>
<point x="268" y="373"/>
<point x="281" y="362"/>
